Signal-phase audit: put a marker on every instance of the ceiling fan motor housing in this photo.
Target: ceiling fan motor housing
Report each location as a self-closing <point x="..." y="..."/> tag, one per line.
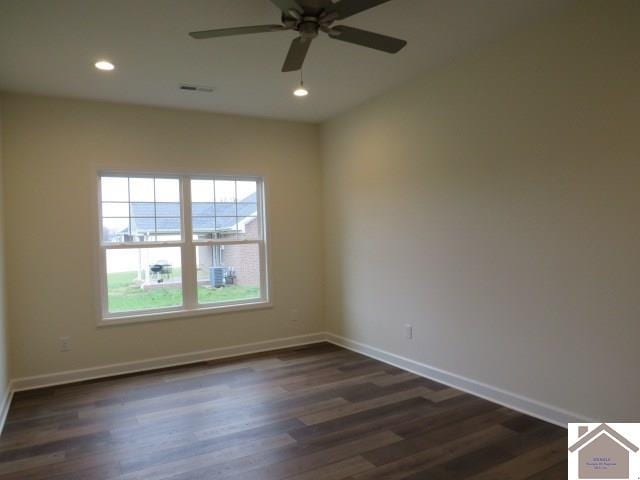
<point x="308" y="28"/>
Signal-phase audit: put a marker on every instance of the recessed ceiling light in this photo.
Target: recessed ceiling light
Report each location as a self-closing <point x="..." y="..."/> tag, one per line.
<point x="104" y="65"/>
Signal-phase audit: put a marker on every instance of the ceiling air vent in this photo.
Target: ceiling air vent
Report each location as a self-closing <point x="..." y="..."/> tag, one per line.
<point x="195" y="88"/>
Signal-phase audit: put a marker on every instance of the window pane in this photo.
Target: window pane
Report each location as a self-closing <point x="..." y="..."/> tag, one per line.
<point x="202" y="191"/>
<point x="164" y="237"/>
<point x="203" y="228"/>
<point x="202" y="209"/>
<point x="149" y="220"/>
<point x="226" y="227"/>
<point x="115" y="229"/>
<point x="167" y="227"/>
<point x="115" y="209"/>
<point x="141" y="190"/>
<point x="247" y="209"/>
<point x="142" y="227"/>
<point x="114" y="189"/>
<point x="168" y="209"/>
<point x="225" y="190"/>
<point x="143" y="209"/>
<point x="246" y="191"/>
<point x="228" y="273"/>
<point x="225" y="209"/>
<point x="143" y="279"/>
<point x="248" y="228"/>
<point x="155" y="229"/>
<point x="167" y="190"/>
<point x="235" y="209"/>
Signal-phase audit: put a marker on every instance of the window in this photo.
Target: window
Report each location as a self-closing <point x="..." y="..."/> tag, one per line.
<point x="175" y="245"/>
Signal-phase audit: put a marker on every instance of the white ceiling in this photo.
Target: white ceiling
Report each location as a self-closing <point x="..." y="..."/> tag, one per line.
<point x="49" y="47"/>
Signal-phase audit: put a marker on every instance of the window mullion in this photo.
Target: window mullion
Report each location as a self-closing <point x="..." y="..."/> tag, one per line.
<point x="215" y="211"/>
<point x="155" y="212"/>
<point x="189" y="277"/>
<point x="129" y="206"/>
<point x="104" y="290"/>
<point x="264" y="283"/>
<point x="140" y="245"/>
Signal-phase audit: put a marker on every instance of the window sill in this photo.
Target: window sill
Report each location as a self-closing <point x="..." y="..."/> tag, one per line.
<point x="174" y="314"/>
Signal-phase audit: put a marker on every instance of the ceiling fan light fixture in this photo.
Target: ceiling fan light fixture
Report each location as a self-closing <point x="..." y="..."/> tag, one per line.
<point x="301" y="91"/>
<point x="104" y="65"/>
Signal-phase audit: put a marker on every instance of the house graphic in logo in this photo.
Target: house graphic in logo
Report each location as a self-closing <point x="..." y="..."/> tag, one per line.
<point x="602" y="453"/>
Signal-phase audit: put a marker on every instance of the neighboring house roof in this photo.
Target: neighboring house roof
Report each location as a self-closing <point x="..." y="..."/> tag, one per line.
<point x="600" y="430"/>
<point x="207" y="217"/>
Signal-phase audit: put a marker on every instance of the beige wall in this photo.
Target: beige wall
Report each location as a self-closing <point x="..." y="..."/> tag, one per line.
<point x="4" y="345"/>
<point x="494" y="205"/>
<point x="52" y="149"/>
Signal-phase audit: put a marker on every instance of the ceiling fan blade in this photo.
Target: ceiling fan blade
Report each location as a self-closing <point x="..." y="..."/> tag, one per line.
<point x="297" y="53"/>
<point x="346" y="8"/>
<point x="367" y="39"/>
<point x="226" y="32"/>
<point x="286" y="5"/>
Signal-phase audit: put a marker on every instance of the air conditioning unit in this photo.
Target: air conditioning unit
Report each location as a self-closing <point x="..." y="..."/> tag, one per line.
<point x="216" y="276"/>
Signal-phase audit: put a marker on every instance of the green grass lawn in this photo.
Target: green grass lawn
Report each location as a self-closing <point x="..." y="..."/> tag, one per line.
<point x="125" y="295"/>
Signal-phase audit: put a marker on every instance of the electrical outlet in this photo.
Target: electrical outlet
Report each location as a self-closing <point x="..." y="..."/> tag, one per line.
<point x="65" y="344"/>
<point x="408" y="331"/>
<point x="294" y="315"/>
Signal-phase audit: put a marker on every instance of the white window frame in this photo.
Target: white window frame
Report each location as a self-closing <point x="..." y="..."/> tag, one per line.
<point x="187" y="245"/>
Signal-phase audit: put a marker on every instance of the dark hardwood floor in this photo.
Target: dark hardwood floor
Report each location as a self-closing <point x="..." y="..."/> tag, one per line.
<point x="318" y="412"/>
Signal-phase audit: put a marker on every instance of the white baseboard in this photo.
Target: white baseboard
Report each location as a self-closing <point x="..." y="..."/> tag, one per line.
<point x="511" y="400"/>
<point x="70" y="376"/>
<point x="534" y="408"/>
<point x="4" y="406"/>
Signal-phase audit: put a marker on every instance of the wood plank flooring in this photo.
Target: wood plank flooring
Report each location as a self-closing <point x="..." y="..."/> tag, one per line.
<point x="317" y="412"/>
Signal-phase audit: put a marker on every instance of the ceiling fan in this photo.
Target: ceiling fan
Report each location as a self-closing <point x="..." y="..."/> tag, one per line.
<point x="308" y="18"/>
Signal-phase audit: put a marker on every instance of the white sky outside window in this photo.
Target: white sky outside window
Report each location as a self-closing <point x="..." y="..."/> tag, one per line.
<point x="202" y="191"/>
